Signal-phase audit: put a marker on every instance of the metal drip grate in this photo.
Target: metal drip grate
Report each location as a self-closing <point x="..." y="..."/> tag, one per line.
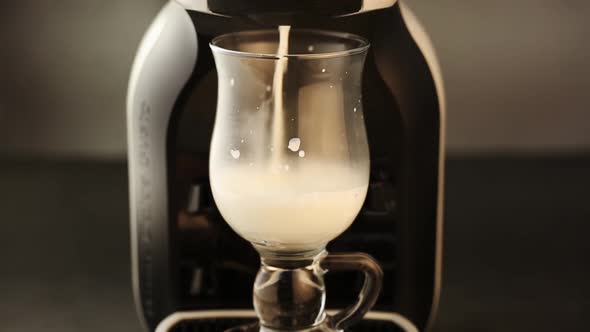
<point x="221" y="324"/>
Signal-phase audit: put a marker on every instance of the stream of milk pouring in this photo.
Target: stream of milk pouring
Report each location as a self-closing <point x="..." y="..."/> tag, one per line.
<point x="278" y="124"/>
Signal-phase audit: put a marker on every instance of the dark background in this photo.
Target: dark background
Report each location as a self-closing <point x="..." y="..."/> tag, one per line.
<point x="517" y="180"/>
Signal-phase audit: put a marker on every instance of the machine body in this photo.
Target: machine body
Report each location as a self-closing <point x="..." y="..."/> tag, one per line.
<point x="184" y="255"/>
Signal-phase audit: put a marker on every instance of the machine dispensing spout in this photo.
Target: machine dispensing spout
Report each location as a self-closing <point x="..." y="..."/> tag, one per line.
<point x="285" y="12"/>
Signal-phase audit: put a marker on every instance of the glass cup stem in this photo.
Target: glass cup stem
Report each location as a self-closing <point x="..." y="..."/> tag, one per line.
<point x="290" y="294"/>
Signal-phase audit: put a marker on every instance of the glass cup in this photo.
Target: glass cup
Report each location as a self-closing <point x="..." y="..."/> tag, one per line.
<point x="289" y="166"/>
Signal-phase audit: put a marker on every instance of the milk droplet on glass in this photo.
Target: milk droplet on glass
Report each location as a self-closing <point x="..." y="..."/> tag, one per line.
<point x="331" y="86"/>
<point x="232" y="81"/>
<point x="242" y="141"/>
<point x="286" y="167"/>
<point x="235" y="153"/>
<point x="294" y="144"/>
<point x="354" y="109"/>
<point x="310" y="48"/>
<point x="323" y="70"/>
<point x="301" y="153"/>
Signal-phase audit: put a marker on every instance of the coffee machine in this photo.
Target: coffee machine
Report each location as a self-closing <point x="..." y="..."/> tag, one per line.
<point x="190" y="271"/>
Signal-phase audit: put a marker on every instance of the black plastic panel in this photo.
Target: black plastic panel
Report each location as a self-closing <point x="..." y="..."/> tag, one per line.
<point x="217" y="266"/>
<point x="261" y="7"/>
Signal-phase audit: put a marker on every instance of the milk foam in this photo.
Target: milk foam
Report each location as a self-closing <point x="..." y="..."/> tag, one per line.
<point x="299" y="208"/>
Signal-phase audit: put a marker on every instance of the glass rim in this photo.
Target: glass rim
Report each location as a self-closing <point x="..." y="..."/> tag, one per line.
<point x="363" y="42"/>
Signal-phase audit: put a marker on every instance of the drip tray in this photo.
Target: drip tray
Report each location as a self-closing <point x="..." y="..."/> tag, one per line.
<point x="219" y="321"/>
<point x="221" y="324"/>
<point x="211" y="324"/>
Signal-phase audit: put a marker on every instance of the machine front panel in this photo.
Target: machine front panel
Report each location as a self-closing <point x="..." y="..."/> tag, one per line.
<point x="217" y="266"/>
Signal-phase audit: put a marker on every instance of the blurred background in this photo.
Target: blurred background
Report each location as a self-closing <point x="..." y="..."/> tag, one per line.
<point x="518" y="140"/>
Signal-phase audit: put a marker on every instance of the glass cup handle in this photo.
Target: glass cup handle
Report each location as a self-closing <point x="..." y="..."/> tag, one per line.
<point x="368" y="294"/>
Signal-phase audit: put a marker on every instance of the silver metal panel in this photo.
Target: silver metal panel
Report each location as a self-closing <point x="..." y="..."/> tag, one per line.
<point x="424" y="43"/>
<point x="164" y="62"/>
